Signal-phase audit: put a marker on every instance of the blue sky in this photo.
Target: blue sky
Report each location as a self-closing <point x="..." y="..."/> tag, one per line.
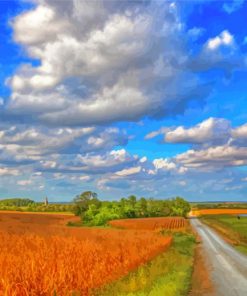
<point x="144" y="97"/>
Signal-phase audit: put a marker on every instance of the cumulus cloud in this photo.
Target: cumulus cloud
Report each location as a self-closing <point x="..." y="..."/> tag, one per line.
<point x="115" y="160"/>
<point x="154" y="134"/>
<point x="129" y="171"/>
<point x="224" y="39"/>
<point x="101" y="62"/>
<point x="33" y="144"/>
<point x="240" y="132"/>
<point x="161" y="163"/>
<point x="214" y="158"/>
<point x="210" y="131"/>
<point x="219" y="52"/>
<point x="215" y="145"/>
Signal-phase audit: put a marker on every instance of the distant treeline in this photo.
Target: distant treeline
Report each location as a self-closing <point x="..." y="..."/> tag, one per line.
<point x="16" y="202"/>
<point x="95" y="212"/>
<point x="220" y="205"/>
<point x="25" y="204"/>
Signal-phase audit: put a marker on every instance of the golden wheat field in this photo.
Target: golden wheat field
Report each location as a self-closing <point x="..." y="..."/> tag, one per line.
<point x="40" y="255"/>
<point x="150" y="223"/>
<point x="219" y="212"/>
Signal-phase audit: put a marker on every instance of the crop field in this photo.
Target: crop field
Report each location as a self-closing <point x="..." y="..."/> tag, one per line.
<point x="151" y="223"/>
<point x="218" y="212"/>
<point x="39" y="255"/>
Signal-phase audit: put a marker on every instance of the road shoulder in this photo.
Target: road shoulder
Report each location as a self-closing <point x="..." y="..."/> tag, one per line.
<point x="201" y="282"/>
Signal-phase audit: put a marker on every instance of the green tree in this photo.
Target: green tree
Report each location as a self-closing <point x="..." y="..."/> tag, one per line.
<point x="83" y="201"/>
<point x="180" y="207"/>
<point x="132" y="200"/>
<point x="141" y="207"/>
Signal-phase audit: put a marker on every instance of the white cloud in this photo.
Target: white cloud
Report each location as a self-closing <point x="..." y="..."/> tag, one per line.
<point x="120" y="102"/>
<point x="223" y="39"/>
<point x="211" y="129"/>
<point x="113" y="161"/>
<point x="154" y="134"/>
<point x="143" y="159"/>
<point x="240" y="132"/>
<point x="214" y="157"/>
<point x="24" y="182"/>
<point x="5" y="171"/>
<point x="101" y="62"/>
<point x="85" y="178"/>
<point x="163" y="164"/>
<point x="48" y="164"/>
<point x="20" y="143"/>
<point x="129" y="171"/>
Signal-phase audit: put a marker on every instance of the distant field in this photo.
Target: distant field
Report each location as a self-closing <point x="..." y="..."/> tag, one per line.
<point x="42" y="256"/>
<point x="202" y="212"/>
<point x="36" y="213"/>
<point x="234" y="229"/>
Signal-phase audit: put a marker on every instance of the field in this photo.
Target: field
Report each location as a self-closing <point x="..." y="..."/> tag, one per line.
<point x="197" y="212"/>
<point x="42" y="256"/>
<point x="232" y="228"/>
<point x="151" y="223"/>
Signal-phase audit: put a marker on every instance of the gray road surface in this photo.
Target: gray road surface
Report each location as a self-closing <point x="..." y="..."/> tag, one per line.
<point x="228" y="268"/>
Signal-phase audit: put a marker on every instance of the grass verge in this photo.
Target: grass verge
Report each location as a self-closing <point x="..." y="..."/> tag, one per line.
<point x="168" y="274"/>
<point x="234" y="230"/>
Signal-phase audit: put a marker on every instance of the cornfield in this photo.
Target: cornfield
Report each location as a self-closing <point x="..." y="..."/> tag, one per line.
<point x="150" y="223"/>
<point x="75" y="262"/>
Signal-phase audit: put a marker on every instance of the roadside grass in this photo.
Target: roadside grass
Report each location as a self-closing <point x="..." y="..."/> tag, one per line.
<point x="233" y="229"/>
<point x="168" y="274"/>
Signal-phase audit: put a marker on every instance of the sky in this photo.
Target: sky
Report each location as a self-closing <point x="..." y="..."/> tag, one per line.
<point x="123" y="97"/>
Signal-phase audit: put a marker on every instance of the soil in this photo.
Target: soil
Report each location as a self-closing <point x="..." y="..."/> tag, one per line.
<point x="201" y="282"/>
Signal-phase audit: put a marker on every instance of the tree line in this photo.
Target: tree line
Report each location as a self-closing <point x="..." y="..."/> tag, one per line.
<point x="95" y="212"/>
<point x="28" y="205"/>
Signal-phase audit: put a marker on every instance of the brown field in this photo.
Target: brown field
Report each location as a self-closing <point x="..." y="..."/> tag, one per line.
<point x="40" y="255"/>
<point x="150" y="223"/>
<point x="219" y="212"/>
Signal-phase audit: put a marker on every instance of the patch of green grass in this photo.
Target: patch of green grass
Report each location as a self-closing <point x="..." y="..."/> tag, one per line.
<point x="81" y="224"/>
<point x="168" y="274"/>
<point x="242" y="248"/>
<point x="231" y="227"/>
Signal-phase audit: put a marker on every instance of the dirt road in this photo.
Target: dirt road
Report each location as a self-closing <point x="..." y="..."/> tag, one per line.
<point x="228" y="268"/>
